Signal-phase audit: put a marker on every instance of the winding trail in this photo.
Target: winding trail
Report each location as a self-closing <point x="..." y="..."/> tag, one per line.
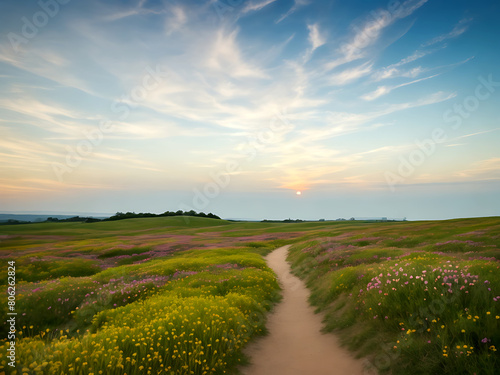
<point x="295" y="344"/>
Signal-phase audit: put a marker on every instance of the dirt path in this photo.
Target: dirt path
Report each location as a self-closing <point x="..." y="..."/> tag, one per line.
<point x="295" y="345"/>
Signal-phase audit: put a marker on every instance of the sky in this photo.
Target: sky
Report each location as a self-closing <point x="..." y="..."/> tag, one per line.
<point x="367" y="108"/>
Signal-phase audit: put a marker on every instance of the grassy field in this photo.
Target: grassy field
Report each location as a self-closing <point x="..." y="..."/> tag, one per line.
<point x="135" y="296"/>
<point x="415" y="298"/>
<point x="181" y="295"/>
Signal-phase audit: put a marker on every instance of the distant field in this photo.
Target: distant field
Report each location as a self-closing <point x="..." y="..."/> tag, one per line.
<point x="184" y="295"/>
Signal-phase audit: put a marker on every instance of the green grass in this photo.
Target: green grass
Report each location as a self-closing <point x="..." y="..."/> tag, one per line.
<point x="429" y="295"/>
<point x="38" y="269"/>
<point x="135" y="226"/>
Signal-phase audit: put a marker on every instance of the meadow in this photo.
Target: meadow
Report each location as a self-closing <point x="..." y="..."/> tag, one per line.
<point x="414" y="298"/>
<point x="179" y="295"/>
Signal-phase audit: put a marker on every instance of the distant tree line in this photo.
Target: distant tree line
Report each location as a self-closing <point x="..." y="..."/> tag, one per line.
<point x="117" y="216"/>
<point x="133" y="215"/>
<point x="13" y="221"/>
<point x="72" y="220"/>
<point x="283" y="221"/>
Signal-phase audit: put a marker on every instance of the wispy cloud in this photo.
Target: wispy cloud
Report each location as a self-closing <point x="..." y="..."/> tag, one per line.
<point x="488" y="169"/>
<point x="225" y="56"/>
<point x="350" y="75"/>
<point x="366" y="35"/>
<point x="342" y="123"/>
<point x="316" y="40"/>
<point x="175" y="20"/>
<point x="315" y="37"/>
<point x="296" y="5"/>
<point x="418" y="54"/>
<point x="474" y="134"/>
<point x="459" y="29"/>
<point x="53" y="117"/>
<point x="256" y="5"/>
<point x="118" y="13"/>
<point x="37" y="185"/>
<point x="33" y="151"/>
<point x="393" y="72"/>
<point x="384" y="90"/>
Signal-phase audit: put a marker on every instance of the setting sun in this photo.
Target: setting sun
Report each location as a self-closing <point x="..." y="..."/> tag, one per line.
<point x="298" y="193"/>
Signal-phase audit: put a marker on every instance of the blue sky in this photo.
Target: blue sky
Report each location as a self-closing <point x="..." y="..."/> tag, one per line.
<point x="368" y="108"/>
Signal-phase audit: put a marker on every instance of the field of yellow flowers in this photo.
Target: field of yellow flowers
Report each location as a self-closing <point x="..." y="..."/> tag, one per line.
<point x="189" y="313"/>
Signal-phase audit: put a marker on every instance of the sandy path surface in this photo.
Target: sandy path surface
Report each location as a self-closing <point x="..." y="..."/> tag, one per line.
<point x="295" y="345"/>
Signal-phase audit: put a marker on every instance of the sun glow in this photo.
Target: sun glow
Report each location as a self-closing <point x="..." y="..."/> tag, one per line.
<point x="298" y="193"/>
